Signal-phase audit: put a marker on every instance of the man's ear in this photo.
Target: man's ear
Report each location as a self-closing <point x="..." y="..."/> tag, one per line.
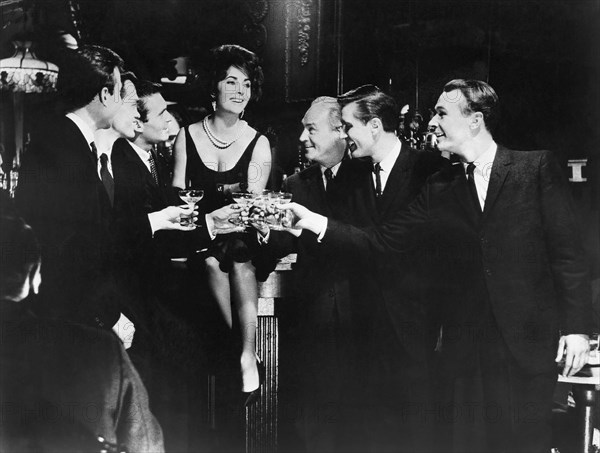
<point x="376" y="125"/>
<point x="138" y="125"/>
<point x="476" y="120"/>
<point x="104" y="95"/>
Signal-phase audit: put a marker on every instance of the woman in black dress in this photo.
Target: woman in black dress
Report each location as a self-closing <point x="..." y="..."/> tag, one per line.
<point x="223" y="154"/>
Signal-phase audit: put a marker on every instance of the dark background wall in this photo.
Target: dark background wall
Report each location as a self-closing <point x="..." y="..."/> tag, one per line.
<point x="542" y="56"/>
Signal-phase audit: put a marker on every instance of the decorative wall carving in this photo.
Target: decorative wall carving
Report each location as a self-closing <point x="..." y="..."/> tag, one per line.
<point x="303" y="17"/>
<point x="302" y="35"/>
<point x="257" y="10"/>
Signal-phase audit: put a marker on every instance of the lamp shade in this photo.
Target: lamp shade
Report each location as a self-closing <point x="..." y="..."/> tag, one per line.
<point x="23" y="72"/>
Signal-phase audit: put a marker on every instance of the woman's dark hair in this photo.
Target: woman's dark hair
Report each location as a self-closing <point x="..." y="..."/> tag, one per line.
<point x="228" y="55"/>
<point x="84" y="72"/>
<point x="479" y="97"/>
<point x="371" y="103"/>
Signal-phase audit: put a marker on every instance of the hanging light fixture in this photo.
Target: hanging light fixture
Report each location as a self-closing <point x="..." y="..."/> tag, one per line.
<point x="25" y="73"/>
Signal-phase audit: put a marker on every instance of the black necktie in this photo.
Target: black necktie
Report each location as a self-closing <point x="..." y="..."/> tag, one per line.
<point x="328" y="177"/>
<point x="472" y="187"/>
<point x="105" y="176"/>
<point x="152" y="166"/>
<point x="377" y="171"/>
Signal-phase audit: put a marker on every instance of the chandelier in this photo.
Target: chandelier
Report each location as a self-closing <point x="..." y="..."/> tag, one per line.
<point x="25" y="73"/>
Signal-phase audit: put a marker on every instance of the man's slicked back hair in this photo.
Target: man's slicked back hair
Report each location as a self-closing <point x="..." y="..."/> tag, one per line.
<point x="84" y="73"/>
<point x="371" y="102"/>
<point x="479" y="97"/>
<point x="145" y="89"/>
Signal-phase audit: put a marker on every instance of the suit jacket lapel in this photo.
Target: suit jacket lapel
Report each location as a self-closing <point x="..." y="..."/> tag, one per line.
<point x="82" y="144"/>
<point x="89" y="158"/>
<point x="500" y="169"/>
<point x="316" y="189"/>
<point x="397" y="179"/>
<point x="364" y="191"/>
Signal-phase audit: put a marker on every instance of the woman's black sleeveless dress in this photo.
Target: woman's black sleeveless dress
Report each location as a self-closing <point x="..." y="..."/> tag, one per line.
<point x="238" y="247"/>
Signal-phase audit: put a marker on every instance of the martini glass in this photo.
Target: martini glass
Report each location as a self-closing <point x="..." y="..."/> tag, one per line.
<point x="190" y="197"/>
<point x="243" y="200"/>
<point x="281" y="217"/>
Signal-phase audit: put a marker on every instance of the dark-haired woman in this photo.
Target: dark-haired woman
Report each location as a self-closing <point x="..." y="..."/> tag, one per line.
<point x="223" y="151"/>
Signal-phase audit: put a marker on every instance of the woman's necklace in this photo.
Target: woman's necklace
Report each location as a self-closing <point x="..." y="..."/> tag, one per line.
<point x="218" y="143"/>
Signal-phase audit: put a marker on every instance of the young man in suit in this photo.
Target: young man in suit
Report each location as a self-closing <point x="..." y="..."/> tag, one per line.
<point x="61" y="384"/>
<point x="141" y="183"/>
<point x="168" y="337"/>
<point x="391" y="291"/>
<point x="142" y="186"/>
<point x="66" y="191"/>
<point x="506" y="253"/>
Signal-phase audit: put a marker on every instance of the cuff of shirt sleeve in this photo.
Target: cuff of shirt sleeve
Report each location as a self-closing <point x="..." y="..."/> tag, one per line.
<point x="154" y="220"/>
<point x="323" y="228"/>
<point x="210" y="227"/>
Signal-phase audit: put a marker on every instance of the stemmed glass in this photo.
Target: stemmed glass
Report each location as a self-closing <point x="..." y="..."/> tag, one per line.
<point x="190" y="197"/>
<point x="243" y="200"/>
<point x="278" y="219"/>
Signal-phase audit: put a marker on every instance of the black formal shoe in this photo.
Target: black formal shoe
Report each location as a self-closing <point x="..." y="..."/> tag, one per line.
<point x="250" y="398"/>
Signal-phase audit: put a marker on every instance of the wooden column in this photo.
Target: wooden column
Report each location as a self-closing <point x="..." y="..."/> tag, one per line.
<point x="262" y="418"/>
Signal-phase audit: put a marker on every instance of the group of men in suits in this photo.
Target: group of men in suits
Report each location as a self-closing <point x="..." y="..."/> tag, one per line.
<point x="486" y="260"/>
<point x="346" y="307"/>
<point x="405" y="261"/>
<point x="92" y="190"/>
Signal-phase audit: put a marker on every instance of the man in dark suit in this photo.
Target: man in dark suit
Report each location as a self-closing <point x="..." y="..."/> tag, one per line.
<point x="142" y="186"/>
<point x="168" y="339"/>
<point x="141" y="181"/>
<point x="61" y="385"/>
<point x="505" y="252"/>
<point x="65" y="191"/>
<point x="392" y="291"/>
<point x="317" y="329"/>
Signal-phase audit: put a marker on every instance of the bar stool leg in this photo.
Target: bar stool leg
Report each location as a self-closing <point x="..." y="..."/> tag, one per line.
<point x="585" y="400"/>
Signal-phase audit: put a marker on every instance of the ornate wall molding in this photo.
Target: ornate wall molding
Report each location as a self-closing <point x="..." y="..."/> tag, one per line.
<point x="257" y="11"/>
<point x="304" y="19"/>
<point x="302" y="26"/>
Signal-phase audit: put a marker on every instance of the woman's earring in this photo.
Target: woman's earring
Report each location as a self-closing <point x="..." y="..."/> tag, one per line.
<point x="242" y="114"/>
<point x="214" y="105"/>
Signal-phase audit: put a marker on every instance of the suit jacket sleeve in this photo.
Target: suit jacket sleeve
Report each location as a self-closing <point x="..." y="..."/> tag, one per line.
<point x="43" y="191"/>
<point x="566" y="255"/>
<point x="136" y="429"/>
<point x="132" y="226"/>
<point x="375" y="242"/>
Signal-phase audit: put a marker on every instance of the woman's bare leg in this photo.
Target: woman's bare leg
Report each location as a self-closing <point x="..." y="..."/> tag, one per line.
<point x="218" y="283"/>
<point x="244" y="294"/>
